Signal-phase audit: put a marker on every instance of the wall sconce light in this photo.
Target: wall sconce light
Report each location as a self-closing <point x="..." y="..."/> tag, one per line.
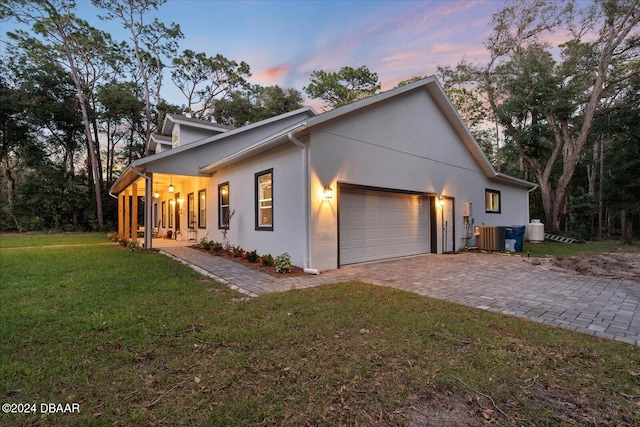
<point x="441" y="201"/>
<point x="172" y="202"/>
<point x="328" y="192"/>
<point x="171" y="189"/>
<point x="180" y="200"/>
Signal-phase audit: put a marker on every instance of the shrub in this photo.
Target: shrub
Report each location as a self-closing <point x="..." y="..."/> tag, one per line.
<point x="215" y="246"/>
<point x="237" y="251"/>
<point x="133" y="245"/>
<point x="204" y="244"/>
<point x="253" y="256"/>
<point x="267" y="260"/>
<point x="283" y="263"/>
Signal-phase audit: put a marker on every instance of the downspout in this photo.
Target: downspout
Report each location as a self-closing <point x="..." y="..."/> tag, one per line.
<point x="307" y="204"/>
<point x="147" y="208"/>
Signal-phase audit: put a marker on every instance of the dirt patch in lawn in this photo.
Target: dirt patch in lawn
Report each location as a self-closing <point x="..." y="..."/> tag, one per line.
<point x="622" y="266"/>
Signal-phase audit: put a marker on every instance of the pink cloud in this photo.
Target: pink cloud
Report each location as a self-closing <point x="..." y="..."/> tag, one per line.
<point x="272" y="74"/>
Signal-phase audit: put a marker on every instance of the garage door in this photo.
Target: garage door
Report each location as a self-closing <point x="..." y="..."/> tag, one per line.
<point x="377" y="225"/>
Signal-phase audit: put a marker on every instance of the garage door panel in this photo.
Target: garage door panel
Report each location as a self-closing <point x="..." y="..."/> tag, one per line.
<point x="380" y="225"/>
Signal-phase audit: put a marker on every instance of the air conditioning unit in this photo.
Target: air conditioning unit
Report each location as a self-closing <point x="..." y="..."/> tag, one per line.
<point x="490" y="238"/>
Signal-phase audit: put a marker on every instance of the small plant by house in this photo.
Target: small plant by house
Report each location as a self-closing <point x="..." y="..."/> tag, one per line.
<point x="283" y="263"/>
<point x="252" y="256"/>
<point x="237" y="252"/>
<point x="215" y="247"/>
<point x="267" y="260"/>
<point x="204" y="244"/>
<point x="133" y="245"/>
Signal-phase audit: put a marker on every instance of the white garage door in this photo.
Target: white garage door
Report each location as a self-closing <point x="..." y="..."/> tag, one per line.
<point x="376" y="225"/>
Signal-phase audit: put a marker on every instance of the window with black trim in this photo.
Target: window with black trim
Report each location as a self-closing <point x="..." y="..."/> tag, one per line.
<point x="223" y="206"/>
<point x="264" y="200"/>
<point x="172" y="206"/>
<point x="202" y="209"/>
<point x="191" y="214"/>
<point x="164" y="214"/>
<point x="492" y="201"/>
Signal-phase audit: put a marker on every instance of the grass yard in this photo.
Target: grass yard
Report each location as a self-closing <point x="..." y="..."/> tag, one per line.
<point x="137" y="339"/>
<point x="563" y="250"/>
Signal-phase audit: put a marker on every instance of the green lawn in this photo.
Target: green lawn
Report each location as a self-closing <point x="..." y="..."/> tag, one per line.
<point x="563" y="250"/>
<point x="138" y="339"/>
<point x="41" y="239"/>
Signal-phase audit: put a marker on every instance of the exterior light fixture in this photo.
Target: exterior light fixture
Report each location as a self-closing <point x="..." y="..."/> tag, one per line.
<point x="328" y="192"/>
<point x="156" y="195"/>
<point x="441" y="201"/>
<point x="171" y="188"/>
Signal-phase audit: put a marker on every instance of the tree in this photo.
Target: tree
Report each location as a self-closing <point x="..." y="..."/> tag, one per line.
<point x="344" y="87"/>
<point x="150" y="44"/>
<point x="257" y="103"/>
<point x="16" y="135"/>
<point x="622" y="180"/>
<point x="203" y="80"/>
<point x="547" y="106"/>
<point x="119" y="117"/>
<point x="72" y="43"/>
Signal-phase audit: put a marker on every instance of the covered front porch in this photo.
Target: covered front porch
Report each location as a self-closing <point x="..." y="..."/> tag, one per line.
<point x="160" y="209"/>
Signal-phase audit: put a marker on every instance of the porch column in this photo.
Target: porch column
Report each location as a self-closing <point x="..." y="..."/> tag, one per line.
<point x="127" y="216"/>
<point x="148" y="212"/>
<point x="134" y="211"/>
<point x="120" y="214"/>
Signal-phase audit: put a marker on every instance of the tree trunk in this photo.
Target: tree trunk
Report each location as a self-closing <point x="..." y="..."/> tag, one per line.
<point x="90" y="146"/>
<point x="600" y="195"/>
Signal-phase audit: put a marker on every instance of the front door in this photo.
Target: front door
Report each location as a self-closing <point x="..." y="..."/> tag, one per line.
<point x="448" y="226"/>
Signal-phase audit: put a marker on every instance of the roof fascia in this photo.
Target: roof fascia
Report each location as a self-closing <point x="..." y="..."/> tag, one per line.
<point x="171" y="119"/>
<point x="229" y="134"/>
<point x="127" y="178"/>
<point x="266" y="144"/>
<point x="514" y="181"/>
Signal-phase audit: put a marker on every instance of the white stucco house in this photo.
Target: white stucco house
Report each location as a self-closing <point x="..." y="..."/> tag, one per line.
<point x="392" y="175"/>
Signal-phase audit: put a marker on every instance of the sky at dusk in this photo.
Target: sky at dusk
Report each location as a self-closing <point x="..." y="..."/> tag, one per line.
<point x="285" y="41"/>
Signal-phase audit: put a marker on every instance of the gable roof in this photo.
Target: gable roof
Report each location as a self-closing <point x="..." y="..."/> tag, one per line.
<point x="171" y="119"/>
<point x="430" y="84"/>
<point x="131" y="173"/>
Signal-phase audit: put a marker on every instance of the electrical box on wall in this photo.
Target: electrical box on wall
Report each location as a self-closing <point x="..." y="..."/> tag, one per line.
<point x="466" y="209"/>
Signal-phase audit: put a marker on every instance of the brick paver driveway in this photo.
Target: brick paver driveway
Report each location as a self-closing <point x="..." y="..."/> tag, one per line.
<point x="499" y="283"/>
<point x="512" y="285"/>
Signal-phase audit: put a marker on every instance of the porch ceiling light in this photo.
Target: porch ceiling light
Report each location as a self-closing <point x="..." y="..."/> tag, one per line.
<point x="171" y="188"/>
<point x="328" y="192"/>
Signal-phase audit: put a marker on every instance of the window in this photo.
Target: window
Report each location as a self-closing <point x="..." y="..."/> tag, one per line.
<point x="492" y="201"/>
<point x="155" y="214"/>
<point x="164" y="214"/>
<point x="202" y="209"/>
<point x="172" y="205"/>
<point x="264" y="200"/>
<point x="223" y="206"/>
<point x="190" y="211"/>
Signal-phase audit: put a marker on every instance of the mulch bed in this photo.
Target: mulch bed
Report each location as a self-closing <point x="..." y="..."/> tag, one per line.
<point x="271" y="270"/>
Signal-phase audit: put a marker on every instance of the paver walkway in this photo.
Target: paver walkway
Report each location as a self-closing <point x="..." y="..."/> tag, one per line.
<point x="504" y="284"/>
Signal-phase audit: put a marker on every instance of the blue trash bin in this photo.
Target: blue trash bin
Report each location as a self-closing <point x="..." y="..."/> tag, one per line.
<point x="515" y="232"/>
